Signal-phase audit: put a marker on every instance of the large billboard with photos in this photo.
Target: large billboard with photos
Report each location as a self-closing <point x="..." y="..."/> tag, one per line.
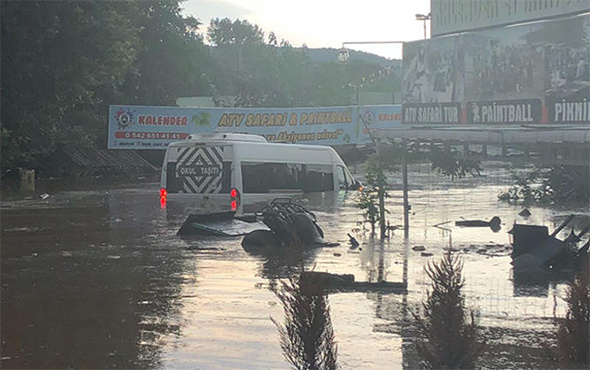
<point x="454" y="16"/>
<point x="526" y="74"/>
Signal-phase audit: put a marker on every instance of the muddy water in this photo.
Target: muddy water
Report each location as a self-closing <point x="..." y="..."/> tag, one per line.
<point x="99" y="279"/>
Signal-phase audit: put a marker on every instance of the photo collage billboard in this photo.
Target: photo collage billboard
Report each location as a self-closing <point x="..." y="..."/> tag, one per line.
<point x="536" y="73"/>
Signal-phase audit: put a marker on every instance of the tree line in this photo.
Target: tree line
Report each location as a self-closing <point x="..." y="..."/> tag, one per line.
<point x="64" y="63"/>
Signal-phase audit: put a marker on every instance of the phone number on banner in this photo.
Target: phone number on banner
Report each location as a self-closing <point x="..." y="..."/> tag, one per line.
<point x="151" y="135"/>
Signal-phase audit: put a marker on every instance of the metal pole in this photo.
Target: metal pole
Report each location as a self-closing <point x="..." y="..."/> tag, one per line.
<point x="424" y="27"/>
<point x="405" y="192"/>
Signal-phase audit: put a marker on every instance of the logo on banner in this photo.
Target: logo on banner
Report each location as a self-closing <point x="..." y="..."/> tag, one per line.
<point x="369" y="116"/>
<point x="124" y="118"/>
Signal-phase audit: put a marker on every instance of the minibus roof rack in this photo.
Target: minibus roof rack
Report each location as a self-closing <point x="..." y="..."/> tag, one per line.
<point x="228" y="137"/>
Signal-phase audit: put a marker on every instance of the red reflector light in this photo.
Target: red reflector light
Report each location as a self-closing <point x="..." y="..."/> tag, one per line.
<point x="163" y="197"/>
<point x="235" y="199"/>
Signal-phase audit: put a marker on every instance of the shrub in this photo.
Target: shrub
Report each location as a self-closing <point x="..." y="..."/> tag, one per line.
<point x="307" y="336"/>
<point x="452" y="339"/>
<point x="572" y="334"/>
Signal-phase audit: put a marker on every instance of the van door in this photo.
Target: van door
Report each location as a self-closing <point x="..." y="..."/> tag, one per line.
<point x="344" y="178"/>
<point x="201" y="169"/>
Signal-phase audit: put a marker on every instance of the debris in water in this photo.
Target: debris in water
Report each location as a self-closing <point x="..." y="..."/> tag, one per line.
<point x="346" y="282"/>
<point x="353" y="242"/>
<point x="288" y="223"/>
<point x="524" y="213"/>
<point x="493" y="224"/>
<point x="538" y="255"/>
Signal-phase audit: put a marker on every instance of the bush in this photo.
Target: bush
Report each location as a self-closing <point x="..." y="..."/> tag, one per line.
<point x="548" y="186"/>
<point x="572" y="334"/>
<point x="307" y="336"/>
<point x="452" y="339"/>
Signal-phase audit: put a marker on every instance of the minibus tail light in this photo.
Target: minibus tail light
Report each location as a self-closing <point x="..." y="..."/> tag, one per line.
<point x="163" y="197"/>
<point x="235" y="199"/>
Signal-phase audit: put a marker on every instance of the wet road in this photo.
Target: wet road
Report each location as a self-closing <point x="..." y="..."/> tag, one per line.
<point x="99" y="279"/>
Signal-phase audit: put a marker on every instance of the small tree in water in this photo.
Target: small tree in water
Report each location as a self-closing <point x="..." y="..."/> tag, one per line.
<point x="371" y="198"/>
<point x="390" y="155"/>
<point x="307" y="336"/>
<point x="453" y="340"/>
<point x="572" y="335"/>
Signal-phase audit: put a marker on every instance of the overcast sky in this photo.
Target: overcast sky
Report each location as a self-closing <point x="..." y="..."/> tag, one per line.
<point x="324" y="23"/>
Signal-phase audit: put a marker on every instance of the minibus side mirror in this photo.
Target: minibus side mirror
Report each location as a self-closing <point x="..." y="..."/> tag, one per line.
<point x="356" y="185"/>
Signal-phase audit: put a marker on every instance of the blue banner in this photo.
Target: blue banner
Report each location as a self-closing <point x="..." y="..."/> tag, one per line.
<point x="147" y="127"/>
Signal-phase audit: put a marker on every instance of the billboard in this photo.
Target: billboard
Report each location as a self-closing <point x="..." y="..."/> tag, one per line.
<point x="527" y="74"/>
<point x="454" y="16"/>
<point x="149" y="127"/>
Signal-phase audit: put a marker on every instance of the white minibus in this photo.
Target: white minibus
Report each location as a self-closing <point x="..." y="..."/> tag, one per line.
<point x="219" y="172"/>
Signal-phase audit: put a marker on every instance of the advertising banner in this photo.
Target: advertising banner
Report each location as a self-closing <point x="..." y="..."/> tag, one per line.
<point x="453" y="16"/>
<point x="446" y="113"/>
<point x="536" y="73"/>
<point x="148" y="127"/>
<point x="525" y="111"/>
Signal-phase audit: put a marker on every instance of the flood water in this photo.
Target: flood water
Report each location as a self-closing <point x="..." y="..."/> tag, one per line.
<point x="99" y="279"/>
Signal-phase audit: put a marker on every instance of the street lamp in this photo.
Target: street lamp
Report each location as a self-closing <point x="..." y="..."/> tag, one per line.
<point x="424" y="18"/>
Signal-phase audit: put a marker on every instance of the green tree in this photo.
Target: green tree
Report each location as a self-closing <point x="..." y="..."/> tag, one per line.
<point x="64" y="63"/>
<point x="60" y="60"/>
<point x="453" y="339"/>
<point x="172" y="60"/>
<point x="259" y="73"/>
<point x="306" y="335"/>
<point x="573" y="330"/>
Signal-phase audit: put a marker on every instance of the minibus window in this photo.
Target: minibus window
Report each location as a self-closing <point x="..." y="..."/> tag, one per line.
<point x="344" y="180"/>
<point x="258" y="177"/>
<point x="265" y="177"/>
<point x="318" y="177"/>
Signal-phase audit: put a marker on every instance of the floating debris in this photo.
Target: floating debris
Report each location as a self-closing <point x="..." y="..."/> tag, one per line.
<point x="538" y="255"/>
<point x="346" y="282"/>
<point x="524" y="213"/>
<point x="288" y="223"/>
<point x="353" y="242"/>
<point x="493" y="224"/>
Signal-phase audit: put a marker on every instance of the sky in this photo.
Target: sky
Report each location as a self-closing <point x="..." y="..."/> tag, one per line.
<point x="325" y="23"/>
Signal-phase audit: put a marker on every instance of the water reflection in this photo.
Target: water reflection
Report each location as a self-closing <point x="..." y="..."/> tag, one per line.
<point x="83" y="285"/>
<point x="285" y="263"/>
